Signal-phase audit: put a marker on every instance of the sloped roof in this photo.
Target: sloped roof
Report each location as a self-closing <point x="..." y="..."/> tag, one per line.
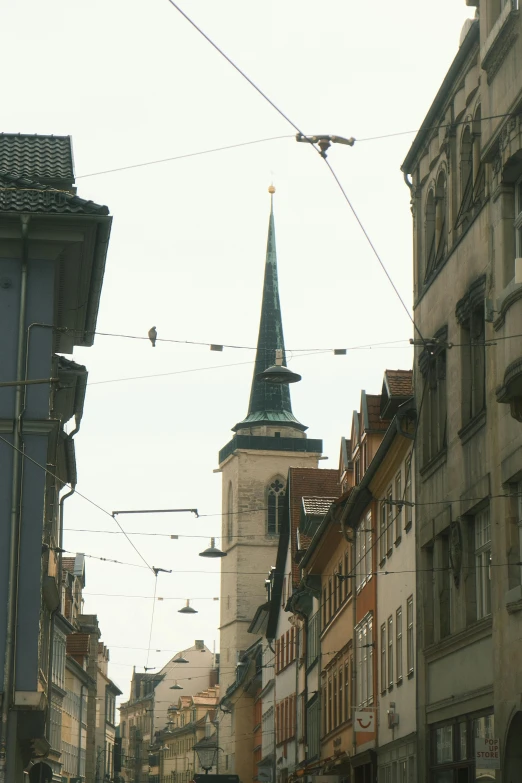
<point x="20" y="194"/>
<point x="68" y="564"/>
<point x="36" y="156"/>
<point x="313" y="483"/>
<point x="317" y="507"/>
<point x="399" y="382"/>
<point x="373" y="406"/>
<point x="77" y="644"/>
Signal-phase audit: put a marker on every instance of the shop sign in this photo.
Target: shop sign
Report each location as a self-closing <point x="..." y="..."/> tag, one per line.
<point x="365" y="721"/>
<point x="487" y="753"/>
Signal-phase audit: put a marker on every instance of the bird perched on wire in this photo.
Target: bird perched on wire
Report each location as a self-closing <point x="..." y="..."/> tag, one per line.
<point x="153" y="336"/>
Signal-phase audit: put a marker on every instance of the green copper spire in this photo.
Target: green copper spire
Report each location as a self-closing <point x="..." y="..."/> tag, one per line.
<point x="269" y="402"/>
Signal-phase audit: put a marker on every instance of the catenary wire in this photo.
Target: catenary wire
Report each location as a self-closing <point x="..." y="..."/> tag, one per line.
<point x="65" y="484"/>
<point x="186" y="155"/>
<point x="317" y="150"/>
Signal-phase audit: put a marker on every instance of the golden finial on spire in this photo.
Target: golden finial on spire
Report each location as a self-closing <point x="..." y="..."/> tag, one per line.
<point x="271" y="190"/>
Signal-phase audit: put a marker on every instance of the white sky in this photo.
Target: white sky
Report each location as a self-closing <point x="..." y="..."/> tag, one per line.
<point x="133" y="82"/>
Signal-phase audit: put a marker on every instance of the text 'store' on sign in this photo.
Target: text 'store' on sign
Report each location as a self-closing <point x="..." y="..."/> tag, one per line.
<point x="487" y="753"/>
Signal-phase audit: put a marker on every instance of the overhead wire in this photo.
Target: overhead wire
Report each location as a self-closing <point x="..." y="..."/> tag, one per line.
<point x="185" y="155"/>
<point x="77" y="492"/>
<point x="313" y="145"/>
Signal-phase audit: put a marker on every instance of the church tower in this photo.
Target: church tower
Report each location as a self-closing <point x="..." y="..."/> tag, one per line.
<point x="254" y="467"/>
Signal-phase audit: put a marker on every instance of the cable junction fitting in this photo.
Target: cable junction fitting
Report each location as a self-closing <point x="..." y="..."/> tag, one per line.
<point x="325" y="141"/>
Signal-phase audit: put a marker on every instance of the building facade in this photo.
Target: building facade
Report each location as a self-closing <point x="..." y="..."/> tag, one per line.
<point x="464" y="171"/>
<point x="53" y="247"/>
<point x="105" y="735"/>
<point x="148" y="709"/>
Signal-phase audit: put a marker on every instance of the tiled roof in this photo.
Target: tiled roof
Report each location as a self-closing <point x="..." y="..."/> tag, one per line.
<point x="375" y="422"/>
<point x="37" y="157"/>
<point x="317" y="507"/>
<point x="309" y="483"/>
<point x="400" y="382"/>
<point x="78" y="644"/>
<point x="68" y="564"/>
<point x="18" y="194"/>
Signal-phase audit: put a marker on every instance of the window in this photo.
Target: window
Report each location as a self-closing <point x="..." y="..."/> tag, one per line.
<point x="383" y="658"/>
<point x="340" y="695"/>
<point x="434" y="415"/>
<point x="334" y="700"/>
<point x="347" y="689"/>
<point x="519" y="521"/>
<point x="471" y="317"/>
<point x="230" y="516"/>
<point x="382" y="532"/>
<point x="390" y="652"/>
<point x="325" y="616"/>
<point x="398" y="509"/>
<point x="466" y="180"/>
<point x="398" y="643"/>
<point x="275" y="504"/>
<point x="363" y="551"/>
<point x="408" y="494"/>
<point x="410" y="651"/>
<point x="389" y="526"/>
<point x="313" y="729"/>
<point x="452" y="749"/>
<point x="518" y="219"/>
<point x="312" y="640"/>
<point x="483" y="563"/>
<point x="347" y="589"/>
<point x="339" y="585"/>
<point x="436" y="226"/>
<point x="364" y="661"/>
<point x="330" y="599"/>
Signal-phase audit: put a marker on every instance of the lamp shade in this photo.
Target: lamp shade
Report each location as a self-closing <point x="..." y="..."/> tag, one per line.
<point x="187" y="609"/>
<point x="207" y="751"/>
<point x="212" y="550"/>
<point x="278" y="374"/>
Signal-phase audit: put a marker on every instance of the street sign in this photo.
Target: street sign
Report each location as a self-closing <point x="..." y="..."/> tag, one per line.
<point x="487" y="753"/>
<point x="365" y="721"/>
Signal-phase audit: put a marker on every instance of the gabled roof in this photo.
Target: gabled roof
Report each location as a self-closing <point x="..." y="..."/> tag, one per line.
<point x="44" y="158"/>
<point x="397" y="387"/>
<point x="308" y="482"/>
<point x="75" y="566"/>
<point x="77" y="644"/>
<point x="372" y="413"/>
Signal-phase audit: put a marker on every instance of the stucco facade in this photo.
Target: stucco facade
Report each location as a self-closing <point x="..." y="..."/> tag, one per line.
<point x="465" y="174"/>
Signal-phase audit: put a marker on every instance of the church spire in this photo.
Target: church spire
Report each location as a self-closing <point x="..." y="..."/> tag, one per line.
<point x="269" y="402"/>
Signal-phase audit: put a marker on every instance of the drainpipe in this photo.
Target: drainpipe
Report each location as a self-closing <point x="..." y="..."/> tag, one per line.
<point x="80" y="733"/>
<point x="12" y="589"/>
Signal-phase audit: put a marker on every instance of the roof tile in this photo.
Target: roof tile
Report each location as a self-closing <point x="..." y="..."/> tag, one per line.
<point x="19" y="194"/>
<point x="400" y="382"/>
<point x="310" y="483"/>
<point x="37" y="157"/>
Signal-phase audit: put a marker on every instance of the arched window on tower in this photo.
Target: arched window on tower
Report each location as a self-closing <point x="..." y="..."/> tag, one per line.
<point x="275" y="503"/>
<point x="230" y="514"/>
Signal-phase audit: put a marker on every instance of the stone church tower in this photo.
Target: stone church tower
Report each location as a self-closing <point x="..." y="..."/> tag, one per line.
<point x="254" y="467"/>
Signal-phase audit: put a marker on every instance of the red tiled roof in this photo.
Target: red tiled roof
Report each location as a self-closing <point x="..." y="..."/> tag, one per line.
<point x="78" y="644"/>
<point x="307" y="482"/>
<point x="373" y="401"/>
<point x="68" y="563"/>
<point x="400" y="382"/>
